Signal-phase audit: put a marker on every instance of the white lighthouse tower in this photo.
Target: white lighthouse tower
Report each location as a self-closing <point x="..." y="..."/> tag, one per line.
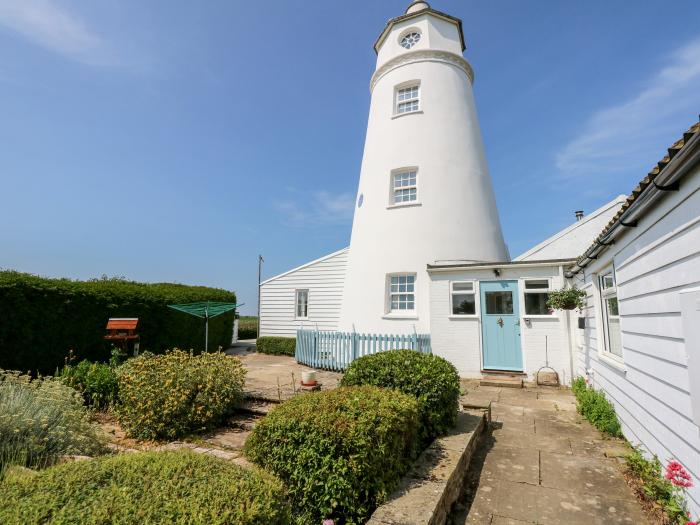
<point x="425" y="194"/>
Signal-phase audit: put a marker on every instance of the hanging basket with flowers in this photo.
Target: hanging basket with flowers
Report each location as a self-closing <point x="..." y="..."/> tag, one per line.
<point x="566" y="299"/>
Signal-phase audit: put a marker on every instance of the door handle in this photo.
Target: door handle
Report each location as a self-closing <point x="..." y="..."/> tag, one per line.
<point x="500" y="322"/>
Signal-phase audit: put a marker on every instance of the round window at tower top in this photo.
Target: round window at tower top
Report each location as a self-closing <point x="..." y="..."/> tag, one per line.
<point x="411" y="39"/>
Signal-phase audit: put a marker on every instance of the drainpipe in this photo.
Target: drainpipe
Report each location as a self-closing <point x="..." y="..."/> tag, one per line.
<point x="568" y="332"/>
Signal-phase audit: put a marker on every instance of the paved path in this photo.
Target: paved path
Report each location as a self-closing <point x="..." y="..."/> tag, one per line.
<point x="276" y="377"/>
<point x="544" y="464"/>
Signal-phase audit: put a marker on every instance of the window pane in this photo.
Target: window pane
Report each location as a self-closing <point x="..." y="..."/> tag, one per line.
<point x="608" y="281"/>
<point x="302" y="300"/>
<point x="614" y="336"/>
<point x="499" y="303"/>
<point x="612" y="306"/>
<point x="536" y="304"/>
<point x="463" y="304"/>
<point x="535" y="285"/>
<point x="463" y="286"/>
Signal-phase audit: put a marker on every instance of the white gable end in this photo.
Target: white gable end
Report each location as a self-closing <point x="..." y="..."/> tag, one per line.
<point x="571" y="242"/>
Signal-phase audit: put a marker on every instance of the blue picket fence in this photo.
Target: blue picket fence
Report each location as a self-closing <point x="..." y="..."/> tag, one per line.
<point x="336" y="350"/>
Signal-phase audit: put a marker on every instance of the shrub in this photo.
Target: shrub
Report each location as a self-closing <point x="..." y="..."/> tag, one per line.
<point x="429" y="378"/>
<point x="596" y="408"/>
<point x="41" y="420"/>
<point x="153" y="487"/>
<point x="43" y="318"/>
<point x="655" y="488"/>
<point x="167" y="396"/>
<point x="340" y="452"/>
<point x="276" y="345"/>
<point x="96" y="381"/>
<point x="248" y="328"/>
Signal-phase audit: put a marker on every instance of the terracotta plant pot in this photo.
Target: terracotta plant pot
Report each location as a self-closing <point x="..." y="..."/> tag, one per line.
<point x="308" y="377"/>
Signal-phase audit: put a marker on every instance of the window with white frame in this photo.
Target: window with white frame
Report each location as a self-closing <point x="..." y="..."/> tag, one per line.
<point x="463" y="298"/>
<point x="402" y="293"/>
<point x="408" y="99"/>
<point x="611" y="314"/>
<point x="404" y="186"/>
<point x="536" y="294"/>
<point x="302" y="304"/>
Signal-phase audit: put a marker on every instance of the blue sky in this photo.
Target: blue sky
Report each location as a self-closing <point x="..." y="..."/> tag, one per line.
<point x="174" y="141"/>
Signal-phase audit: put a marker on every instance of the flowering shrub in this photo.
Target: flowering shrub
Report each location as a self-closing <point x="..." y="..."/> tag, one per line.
<point x="340" y="452"/>
<point x="40" y="421"/>
<point x="153" y="487"/>
<point x="432" y="380"/>
<point x="167" y="396"/>
<point x="664" y="488"/>
<point x="596" y="408"/>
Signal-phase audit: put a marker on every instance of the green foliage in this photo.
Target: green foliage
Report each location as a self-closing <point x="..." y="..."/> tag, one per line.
<point x="41" y="420"/>
<point x="170" y="395"/>
<point x="276" y="345"/>
<point x="656" y="488"/>
<point x="248" y="328"/>
<point x="596" y="408"/>
<point x="96" y="381"/>
<point x="154" y="487"/>
<point x="432" y="380"/>
<point x="43" y="318"/>
<point x="340" y="452"/>
<point x="566" y="299"/>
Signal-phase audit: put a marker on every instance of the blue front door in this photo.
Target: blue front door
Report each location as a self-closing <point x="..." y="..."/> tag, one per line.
<point x="500" y="322"/>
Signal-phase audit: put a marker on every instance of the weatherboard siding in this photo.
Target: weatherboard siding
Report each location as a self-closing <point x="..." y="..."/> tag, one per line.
<point x="651" y="390"/>
<point x="323" y="278"/>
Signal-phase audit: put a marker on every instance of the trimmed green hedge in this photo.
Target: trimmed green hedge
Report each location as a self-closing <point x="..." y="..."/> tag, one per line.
<point x="276" y="345"/>
<point x="168" y="396"/>
<point x="153" y="487"/>
<point x="340" y="452"/>
<point x="42" y="319"/>
<point x="596" y="408"/>
<point x="432" y="380"/>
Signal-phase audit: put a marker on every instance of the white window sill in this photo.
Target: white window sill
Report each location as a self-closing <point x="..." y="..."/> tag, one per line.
<point x="541" y="316"/>
<point x="613" y="361"/>
<point x="399" y="115"/>
<point x="473" y="317"/>
<point x="301" y="318"/>
<point x="400" y="316"/>
<point x="404" y="205"/>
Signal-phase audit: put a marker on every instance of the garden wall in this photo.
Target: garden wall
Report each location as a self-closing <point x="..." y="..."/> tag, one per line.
<point x="42" y="319"/>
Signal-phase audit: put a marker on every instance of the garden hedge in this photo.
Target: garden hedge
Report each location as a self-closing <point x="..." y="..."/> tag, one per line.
<point x="432" y="380"/>
<point x="168" y="396"/>
<point x="42" y="319"/>
<point x="340" y="452"/>
<point x="152" y="487"/>
<point x="276" y="345"/>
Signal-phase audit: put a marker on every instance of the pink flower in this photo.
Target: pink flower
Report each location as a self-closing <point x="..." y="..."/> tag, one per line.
<point x="691" y="523"/>
<point x="676" y="474"/>
<point x="331" y="522"/>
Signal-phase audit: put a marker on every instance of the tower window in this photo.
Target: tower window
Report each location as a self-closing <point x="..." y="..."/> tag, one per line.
<point x="403" y="186"/>
<point x="402" y="292"/>
<point x="407" y="99"/>
<point x="410" y="40"/>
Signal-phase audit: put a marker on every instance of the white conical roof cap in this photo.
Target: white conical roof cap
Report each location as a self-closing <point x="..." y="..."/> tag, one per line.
<point x="417" y="5"/>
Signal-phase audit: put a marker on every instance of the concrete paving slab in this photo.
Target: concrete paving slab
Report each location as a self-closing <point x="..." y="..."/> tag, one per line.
<point x="513" y="464"/>
<point x="500" y="520"/>
<point x="557" y="507"/>
<point x="583" y="475"/>
<point x="515" y="439"/>
<point x="517" y="501"/>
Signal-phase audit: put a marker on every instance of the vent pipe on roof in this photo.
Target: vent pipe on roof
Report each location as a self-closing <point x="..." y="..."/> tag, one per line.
<point x="579" y="215"/>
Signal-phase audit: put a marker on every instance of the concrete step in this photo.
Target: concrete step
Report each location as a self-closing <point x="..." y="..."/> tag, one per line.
<point x="503" y="381"/>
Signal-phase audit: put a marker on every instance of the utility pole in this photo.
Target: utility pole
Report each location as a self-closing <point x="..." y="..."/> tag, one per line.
<point x="260" y="262"/>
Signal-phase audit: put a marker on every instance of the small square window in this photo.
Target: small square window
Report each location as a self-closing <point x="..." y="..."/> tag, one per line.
<point x="402" y="296"/>
<point x="536" y="295"/>
<point x="407" y="99"/>
<point x="463" y="298"/>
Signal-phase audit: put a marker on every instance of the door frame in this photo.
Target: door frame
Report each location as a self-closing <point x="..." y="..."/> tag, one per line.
<point x="516" y="313"/>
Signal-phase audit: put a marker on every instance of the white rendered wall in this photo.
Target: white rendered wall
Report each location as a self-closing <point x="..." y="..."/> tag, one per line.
<point x="458" y="339"/>
<point x="323" y="278"/>
<point x="455" y="217"/>
<point x="651" y="387"/>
